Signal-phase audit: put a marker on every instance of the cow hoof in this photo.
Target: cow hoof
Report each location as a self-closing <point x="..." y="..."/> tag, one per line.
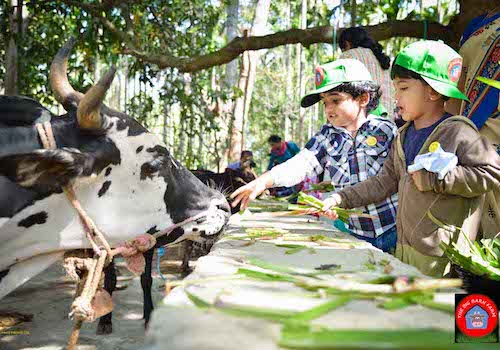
<point x="105" y="328"/>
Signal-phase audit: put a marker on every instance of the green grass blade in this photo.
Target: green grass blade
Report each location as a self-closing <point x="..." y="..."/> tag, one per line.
<point x="320" y="310"/>
<point x="263" y="276"/>
<point x="306" y="337"/>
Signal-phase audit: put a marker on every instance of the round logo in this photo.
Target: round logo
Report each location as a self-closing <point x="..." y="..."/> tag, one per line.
<point x="371" y="141"/>
<point x="476" y="315"/>
<point x="320" y="75"/>
<point x="434" y="146"/>
<point x="454" y="69"/>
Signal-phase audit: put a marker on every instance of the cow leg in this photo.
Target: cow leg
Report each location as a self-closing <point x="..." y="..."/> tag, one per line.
<point x="105" y="325"/>
<point x="146" y="283"/>
<point x="187" y="249"/>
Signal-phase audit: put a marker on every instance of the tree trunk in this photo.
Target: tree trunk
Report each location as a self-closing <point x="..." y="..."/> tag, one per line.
<point x="289" y="78"/>
<point x="231" y="78"/>
<point x="11" y="55"/>
<point x="353" y="13"/>
<point x="232" y="33"/>
<point x="239" y="108"/>
<point x="258" y="28"/>
<point x="301" y="69"/>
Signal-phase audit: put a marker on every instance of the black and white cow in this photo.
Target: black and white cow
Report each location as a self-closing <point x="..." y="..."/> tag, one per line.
<point x="124" y="177"/>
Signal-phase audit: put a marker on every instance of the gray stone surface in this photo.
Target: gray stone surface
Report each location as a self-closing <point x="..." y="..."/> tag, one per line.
<point x="179" y="325"/>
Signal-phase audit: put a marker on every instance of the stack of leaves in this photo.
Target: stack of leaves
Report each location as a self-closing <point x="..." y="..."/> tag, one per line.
<point x="482" y="259"/>
<point x="325" y="186"/>
<point x="311" y="205"/>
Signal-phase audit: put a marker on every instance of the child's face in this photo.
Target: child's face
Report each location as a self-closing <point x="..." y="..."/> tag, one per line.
<point x="341" y="109"/>
<point x="412" y="97"/>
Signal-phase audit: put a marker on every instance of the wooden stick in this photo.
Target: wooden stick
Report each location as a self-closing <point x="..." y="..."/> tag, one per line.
<point x="74" y="335"/>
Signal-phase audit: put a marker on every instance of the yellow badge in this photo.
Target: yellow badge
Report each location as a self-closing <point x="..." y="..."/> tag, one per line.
<point x="371" y="141"/>
<point x="433" y="147"/>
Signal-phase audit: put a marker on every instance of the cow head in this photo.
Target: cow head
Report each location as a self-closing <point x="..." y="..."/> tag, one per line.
<point x="124" y="176"/>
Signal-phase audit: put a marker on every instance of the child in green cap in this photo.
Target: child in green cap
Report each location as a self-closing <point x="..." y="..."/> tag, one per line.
<point x="432" y="205"/>
<point x="350" y="148"/>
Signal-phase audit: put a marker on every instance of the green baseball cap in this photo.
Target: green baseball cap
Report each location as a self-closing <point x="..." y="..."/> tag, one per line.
<point x="331" y="75"/>
<point x="437" y="63"/>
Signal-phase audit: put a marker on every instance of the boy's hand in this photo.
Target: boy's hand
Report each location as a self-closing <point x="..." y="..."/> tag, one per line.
<point x="420" y="179"/>
<point x="332" y="201"/>
<point x="247" y="193"/>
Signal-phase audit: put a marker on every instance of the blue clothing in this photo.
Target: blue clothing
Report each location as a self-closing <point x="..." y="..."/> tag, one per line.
<point x="386" y="242"/>
<point x="475" y="24"/>
<point x="415" y="139"/>
<point x="291" y="150"/>
<point x="235" y="165"/>
<point x="350" y="160"/>
<point x="480" y="49"/>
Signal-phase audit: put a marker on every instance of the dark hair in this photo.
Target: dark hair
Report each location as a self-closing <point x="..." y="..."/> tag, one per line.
<point x="244" y="153"/>
<point x="357" y="88"/>
<point x="398" y="71"/>
<point x="360" y="37"/>
<point x="274" y="139"/>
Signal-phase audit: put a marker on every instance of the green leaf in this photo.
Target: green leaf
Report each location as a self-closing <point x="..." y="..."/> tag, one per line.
<point x="321" y="310"/>
<point x="491" y="82"/>
<point x="308" y="337"/>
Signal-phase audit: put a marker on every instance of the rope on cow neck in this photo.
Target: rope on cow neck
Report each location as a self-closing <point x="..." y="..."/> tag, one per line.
<point x="81" y="308"/>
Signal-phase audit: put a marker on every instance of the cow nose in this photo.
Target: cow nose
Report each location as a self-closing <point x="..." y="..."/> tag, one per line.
<point x="224" y="206"/>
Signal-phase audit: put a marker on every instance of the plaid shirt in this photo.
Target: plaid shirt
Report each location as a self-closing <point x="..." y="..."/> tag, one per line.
<point x="351" y="160"/>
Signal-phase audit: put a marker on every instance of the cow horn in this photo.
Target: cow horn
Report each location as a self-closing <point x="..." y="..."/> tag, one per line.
<point x="89" y="109"/>
<point x="63" y="91"/>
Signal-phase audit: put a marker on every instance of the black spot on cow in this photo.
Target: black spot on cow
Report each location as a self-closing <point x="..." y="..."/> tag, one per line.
<point x="124" y="122"/>
<point x="140" y="148"/>
<point x="108" y="171"/>
<point x="35" y="219"/>
<point x="152" y="230"/>
<point x="148" y="169"/>
<point x="104" y="188"/>
<point x="3" y="273"/>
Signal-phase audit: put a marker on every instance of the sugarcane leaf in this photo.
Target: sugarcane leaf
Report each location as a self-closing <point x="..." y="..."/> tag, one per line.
<point x="321" y="309"/>
<point x="295" y="250"/>
<point x="309" y="337"/>
<point x="396" y="304"/>
<point x="264" y="276"/>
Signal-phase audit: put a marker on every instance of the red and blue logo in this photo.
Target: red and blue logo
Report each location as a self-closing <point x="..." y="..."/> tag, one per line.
<point x="455" y="69"/>
<point x="320" y="75"/>
<point x="476" y="316"/>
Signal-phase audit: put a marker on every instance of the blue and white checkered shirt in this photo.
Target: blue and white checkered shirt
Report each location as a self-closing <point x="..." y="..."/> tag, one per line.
<point x="347" y="160"/>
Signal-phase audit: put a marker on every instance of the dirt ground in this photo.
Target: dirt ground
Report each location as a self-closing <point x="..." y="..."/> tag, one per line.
<point x="48" y="298"/>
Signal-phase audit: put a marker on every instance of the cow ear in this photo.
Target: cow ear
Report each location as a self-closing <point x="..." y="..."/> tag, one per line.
<point x="48" y="169"/>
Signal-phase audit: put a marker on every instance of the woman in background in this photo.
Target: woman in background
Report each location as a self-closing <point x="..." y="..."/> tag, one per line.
<point x="356" y="43"/>
<point x="480" y="49"/>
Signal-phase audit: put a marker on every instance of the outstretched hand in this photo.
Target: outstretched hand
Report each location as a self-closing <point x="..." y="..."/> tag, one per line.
<point x="247" y="193"/>
<point x="332" y="201"/>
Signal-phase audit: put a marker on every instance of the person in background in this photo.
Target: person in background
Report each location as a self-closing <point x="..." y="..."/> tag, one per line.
<point x="280" y="152"/>
<point x="244" y="157"/>
<point x="480" y="49"/>
<point x="357" y="44"/>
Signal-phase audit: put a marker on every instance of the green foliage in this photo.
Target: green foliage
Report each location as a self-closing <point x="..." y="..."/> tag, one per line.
<point x="196" y="125"/>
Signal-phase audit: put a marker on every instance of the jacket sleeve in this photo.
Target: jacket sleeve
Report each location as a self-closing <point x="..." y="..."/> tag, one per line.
<point x="295" y="169"/>
<point x="374" y="189"/>
<point x="294" y="148"/>
<point x="477" y="172"/>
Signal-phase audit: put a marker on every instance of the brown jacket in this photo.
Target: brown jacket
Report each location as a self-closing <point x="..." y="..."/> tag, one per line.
<point x="455" y="201"/>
